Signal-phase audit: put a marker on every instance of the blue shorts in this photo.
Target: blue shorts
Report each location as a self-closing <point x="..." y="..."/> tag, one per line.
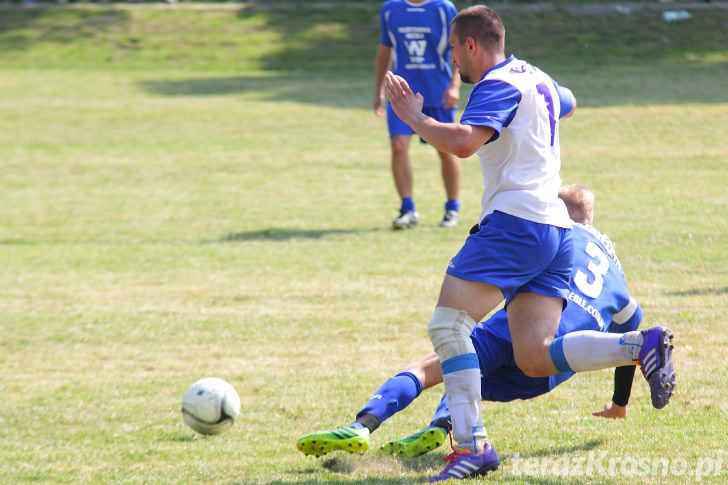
<point x="501" y="379"/>
<point x="398" y="127"/>
<point x="517" y="256"/>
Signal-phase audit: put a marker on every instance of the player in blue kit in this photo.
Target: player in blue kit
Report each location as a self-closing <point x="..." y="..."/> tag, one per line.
<point x="414" y="39"/>
<point x="601" y="302"/>
<point x="523" y="251"/>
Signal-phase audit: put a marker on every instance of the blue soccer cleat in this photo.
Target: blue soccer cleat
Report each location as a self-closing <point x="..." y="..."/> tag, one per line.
<point x="656" y="363"/>
<point x="465" y="464"/>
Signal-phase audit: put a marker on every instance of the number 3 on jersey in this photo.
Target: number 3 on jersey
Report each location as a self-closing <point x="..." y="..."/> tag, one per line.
<point x="598" y="268"/>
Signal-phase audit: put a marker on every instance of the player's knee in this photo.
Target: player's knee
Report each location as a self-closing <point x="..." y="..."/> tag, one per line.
<point x="400" y="145"/>
<point x="449" y="330"/>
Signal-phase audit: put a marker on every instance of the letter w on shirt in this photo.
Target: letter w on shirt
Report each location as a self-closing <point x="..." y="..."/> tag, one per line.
<point x="416" y="47"/>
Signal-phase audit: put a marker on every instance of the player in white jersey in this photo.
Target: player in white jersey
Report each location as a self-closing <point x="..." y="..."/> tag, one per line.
<point x="414" y="39"/>
<point x="523" y="250"/>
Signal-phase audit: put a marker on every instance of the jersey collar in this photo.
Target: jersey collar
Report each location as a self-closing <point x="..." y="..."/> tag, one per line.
<point x="498" y="66"/>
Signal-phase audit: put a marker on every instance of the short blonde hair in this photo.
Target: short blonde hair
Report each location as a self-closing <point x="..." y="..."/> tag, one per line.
<point x="579" y="202"/>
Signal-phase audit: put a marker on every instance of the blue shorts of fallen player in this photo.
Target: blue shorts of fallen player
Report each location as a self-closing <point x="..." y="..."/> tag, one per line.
<point x="398" y="127"/>
<point x="501" y="379"/>
<point x="517" y="256"/>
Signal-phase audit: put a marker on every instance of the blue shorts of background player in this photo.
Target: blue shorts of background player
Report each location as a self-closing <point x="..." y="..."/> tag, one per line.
<point x="398" y="127"/>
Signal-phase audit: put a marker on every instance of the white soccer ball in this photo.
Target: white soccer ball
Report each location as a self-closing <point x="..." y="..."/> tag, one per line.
<point x="210" y="406"/>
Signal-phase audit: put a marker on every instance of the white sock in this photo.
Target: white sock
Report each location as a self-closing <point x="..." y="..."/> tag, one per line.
<point x="463" y="398"/>
<point x="591" y="350"/>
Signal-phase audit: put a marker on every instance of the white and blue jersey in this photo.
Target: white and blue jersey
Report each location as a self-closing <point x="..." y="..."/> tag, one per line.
<point x="522" y="160"/>
<point x="598" y="300"/>
<point x="418" y="33"/>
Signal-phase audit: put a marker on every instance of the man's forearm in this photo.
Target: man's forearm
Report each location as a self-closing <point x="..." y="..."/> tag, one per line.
<point x="459" y="140"/>
<point x="455" y="82"/>
<point x="381" y="64"/>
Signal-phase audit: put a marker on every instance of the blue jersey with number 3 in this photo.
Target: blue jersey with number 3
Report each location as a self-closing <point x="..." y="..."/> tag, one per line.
<point x="418" y="34"/>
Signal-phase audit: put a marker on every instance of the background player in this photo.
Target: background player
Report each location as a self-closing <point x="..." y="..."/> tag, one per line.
<point x="414" y="35"/>
<point x="612" y="310"/>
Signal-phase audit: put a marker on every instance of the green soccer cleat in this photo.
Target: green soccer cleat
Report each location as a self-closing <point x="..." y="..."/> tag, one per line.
<point x="344" y="439"/>
<point x="416" y="444"/>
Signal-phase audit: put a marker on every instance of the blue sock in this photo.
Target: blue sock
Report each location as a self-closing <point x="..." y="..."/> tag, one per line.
<point x="394" y="395"/>
<point x="407" y="204"/>
<point x="557" y="355"/>
<point x="452" y="205"/>
<point x="442" y="414"/>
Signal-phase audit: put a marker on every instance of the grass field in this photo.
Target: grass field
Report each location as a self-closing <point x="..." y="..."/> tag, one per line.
<point x="200" y="190"/>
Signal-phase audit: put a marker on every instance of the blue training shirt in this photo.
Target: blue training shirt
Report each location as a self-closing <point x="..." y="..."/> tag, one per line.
<point x="418" y="34"/>
<point x="598" y="300"/>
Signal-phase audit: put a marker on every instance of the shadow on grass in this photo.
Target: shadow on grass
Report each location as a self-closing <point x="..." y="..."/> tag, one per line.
<point x="649" y="62"/>
<point x="324" y="53"/>
<point x="344" y="35"/>
<point x="370" y="481"/>
<point x="270" y="234"/>
<point x="493" y="476"/>
<point x="509" y="472"/>
<point x="338" y="35"/>
<point x="560" y="450"/>
<point x="700" y="292"/>
<point x="280" y="234"/>
<point x="372" y="464"/>
<point x="343" y="90"/>
<point x="21" y="26"/>
<point x="179" y="437"/>
<point x="606" y="85"/>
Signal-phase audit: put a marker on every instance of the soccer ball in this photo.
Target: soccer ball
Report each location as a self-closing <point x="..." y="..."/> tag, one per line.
<point x="210" y="406"/>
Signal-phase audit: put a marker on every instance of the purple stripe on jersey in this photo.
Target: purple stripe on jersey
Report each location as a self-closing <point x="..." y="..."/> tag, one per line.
<point x="544" y="91"/>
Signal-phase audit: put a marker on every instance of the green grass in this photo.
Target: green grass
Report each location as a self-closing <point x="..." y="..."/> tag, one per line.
<point x="193" y="191"/>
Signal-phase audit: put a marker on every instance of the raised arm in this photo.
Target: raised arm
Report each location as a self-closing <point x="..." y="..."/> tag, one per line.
<point x="458" y="139"/>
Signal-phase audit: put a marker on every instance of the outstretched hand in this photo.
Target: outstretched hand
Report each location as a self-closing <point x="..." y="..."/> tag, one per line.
<point x="377" y="105"/>
<point x="613" y="411"/>
<point x="404" y="102"/>
<point x="451" y="97"/>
